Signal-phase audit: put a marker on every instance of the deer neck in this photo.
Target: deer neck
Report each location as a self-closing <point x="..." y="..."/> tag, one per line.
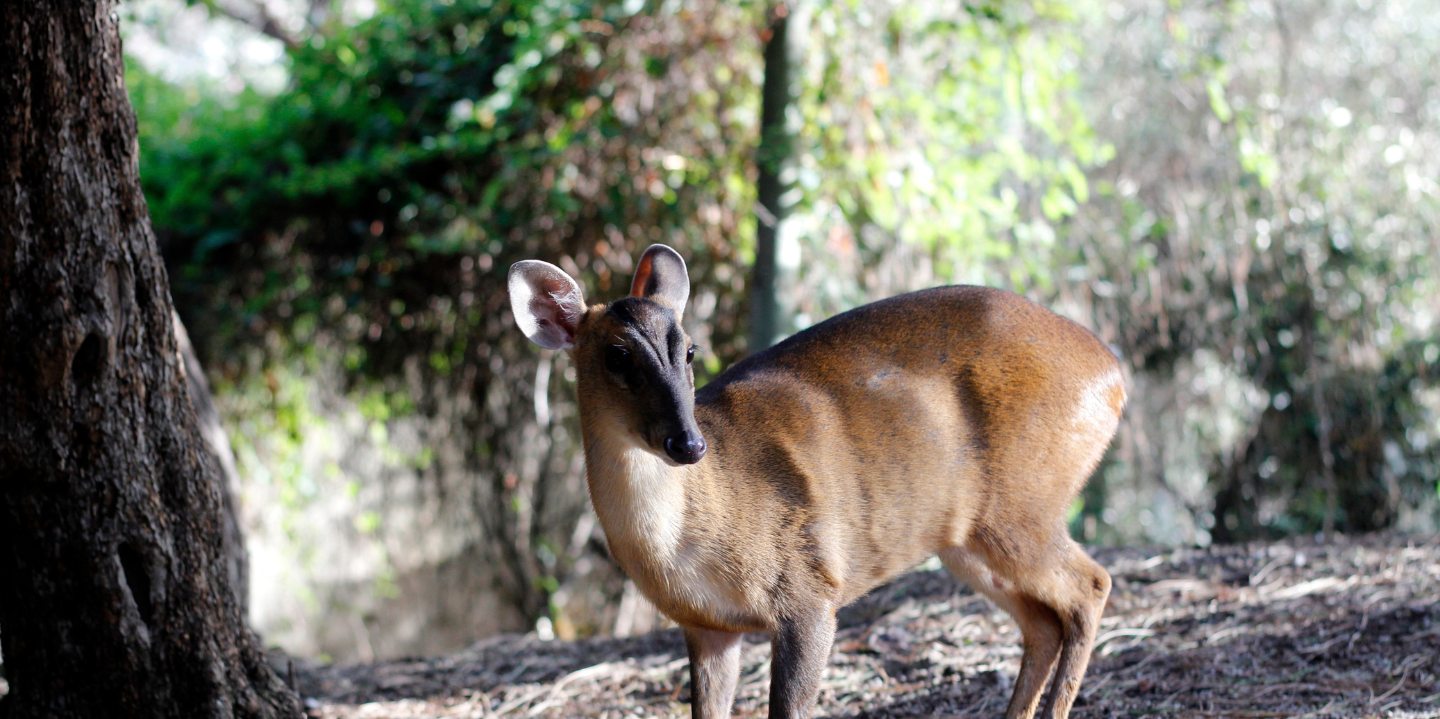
<point x="639" y="497"/>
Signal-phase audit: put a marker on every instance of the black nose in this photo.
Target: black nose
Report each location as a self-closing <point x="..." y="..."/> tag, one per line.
<point x="685" y="448"/>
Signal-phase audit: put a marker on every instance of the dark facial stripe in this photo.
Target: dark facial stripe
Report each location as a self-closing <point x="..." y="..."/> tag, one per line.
<point x="677" y="342"/>
<point x="623" y="310"/>
<point x="652" y="326"/>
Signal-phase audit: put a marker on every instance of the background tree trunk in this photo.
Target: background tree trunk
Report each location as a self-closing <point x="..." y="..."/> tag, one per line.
<point x="771" y="157"/>
<point x="116" y="597"/>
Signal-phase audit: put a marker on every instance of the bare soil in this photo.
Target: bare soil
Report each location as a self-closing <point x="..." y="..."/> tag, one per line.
<point x="1346" y="628"/>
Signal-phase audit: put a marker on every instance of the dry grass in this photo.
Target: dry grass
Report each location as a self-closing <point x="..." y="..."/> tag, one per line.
<point x="1349" y="628"/>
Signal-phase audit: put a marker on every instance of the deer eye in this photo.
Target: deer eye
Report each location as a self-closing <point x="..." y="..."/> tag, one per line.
<point x="617" y="359"/>
<point x="690" y="354"/>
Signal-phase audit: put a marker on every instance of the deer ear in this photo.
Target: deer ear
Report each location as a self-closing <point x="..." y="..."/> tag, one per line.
<point x="547" y="303"/>
<point x="661" y="276"/>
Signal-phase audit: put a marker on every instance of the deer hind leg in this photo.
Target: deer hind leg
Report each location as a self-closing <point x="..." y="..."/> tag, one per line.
<point x="1040" y="627"/>
<point x="1084" y="588"/>
<point x="1056" y="593"/>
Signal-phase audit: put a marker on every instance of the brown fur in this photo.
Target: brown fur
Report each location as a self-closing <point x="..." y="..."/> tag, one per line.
<point x="958" y="422"/>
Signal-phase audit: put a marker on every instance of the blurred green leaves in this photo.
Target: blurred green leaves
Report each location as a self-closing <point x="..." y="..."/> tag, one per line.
<point x="957" y="132"/>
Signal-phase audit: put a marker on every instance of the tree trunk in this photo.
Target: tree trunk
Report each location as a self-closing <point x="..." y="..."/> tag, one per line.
<point x="116" y="598"/>
<point x="217" y="443"/>
<point x="771" y="157"/>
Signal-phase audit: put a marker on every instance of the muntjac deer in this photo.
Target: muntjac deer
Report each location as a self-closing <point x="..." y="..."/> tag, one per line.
<point x="958" y="421"/>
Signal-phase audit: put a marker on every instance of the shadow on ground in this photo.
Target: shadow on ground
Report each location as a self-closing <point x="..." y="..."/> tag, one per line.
<point x="1346" y="628"/>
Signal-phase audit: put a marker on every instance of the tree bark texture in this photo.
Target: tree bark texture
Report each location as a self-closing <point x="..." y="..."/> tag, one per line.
<point x="217" y="443"/>
<point x="115" y="596"/>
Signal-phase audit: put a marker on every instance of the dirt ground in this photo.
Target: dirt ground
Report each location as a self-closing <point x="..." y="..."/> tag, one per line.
<point x="1348" y="628"/>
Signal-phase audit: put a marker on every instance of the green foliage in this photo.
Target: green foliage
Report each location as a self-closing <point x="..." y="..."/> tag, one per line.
<point x="431" y="132"/>
<point x="955" y="130"/>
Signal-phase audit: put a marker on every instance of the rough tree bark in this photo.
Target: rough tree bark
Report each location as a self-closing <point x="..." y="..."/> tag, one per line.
<point x="217" y="443"/>
<point x="115" y="595"/>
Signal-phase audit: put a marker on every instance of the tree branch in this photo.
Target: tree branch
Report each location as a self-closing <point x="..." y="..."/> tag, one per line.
<point x="256" y="15"/>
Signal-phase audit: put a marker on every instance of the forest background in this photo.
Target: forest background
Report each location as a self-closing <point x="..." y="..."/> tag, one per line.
<point x="1240" y="198"/>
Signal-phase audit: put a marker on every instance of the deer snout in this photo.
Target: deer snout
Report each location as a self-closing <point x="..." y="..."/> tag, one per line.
<point x="686" y="447"/>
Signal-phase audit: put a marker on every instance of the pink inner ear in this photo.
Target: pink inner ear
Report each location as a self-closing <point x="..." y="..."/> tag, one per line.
<point x="639" y="287"/>
<point x="548" y="305"/>
<point x="557" y="309"/>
